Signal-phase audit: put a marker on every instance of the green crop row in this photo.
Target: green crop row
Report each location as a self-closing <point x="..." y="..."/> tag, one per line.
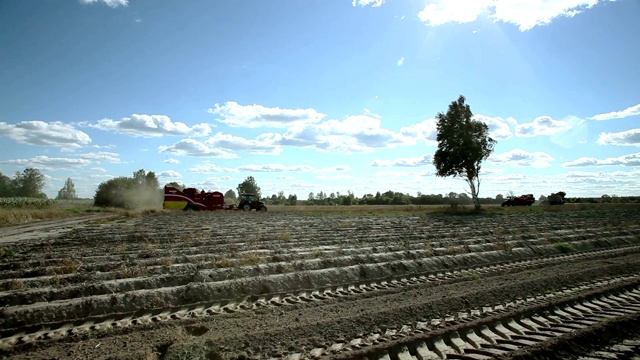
<point x="24" y="202"/>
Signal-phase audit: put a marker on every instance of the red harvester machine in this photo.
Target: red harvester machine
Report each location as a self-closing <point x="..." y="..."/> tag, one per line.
<point x="191" y="199"/>
<point x="522" y="200"/>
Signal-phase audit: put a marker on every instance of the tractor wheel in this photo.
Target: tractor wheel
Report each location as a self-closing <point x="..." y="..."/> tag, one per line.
<point x="262" y="208"/>
<point x="246" y="207"/>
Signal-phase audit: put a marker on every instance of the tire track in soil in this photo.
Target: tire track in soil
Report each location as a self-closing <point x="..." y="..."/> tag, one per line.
<point x="279" y="334"/>
<point x="525" y="330"/>
<point x="56" y="331"/>
<point x="291" y="323"/>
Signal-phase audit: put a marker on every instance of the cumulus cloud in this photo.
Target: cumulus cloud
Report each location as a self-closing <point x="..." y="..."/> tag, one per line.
<point x="208" y="167"/>
<point x="192" y="147"/>
<point x="109" y="3"/>
<point x="624" y="160"/>
<point x="264" y="144"/>
<point x="357" y="133"/>
<point x="522" y="158"/>
<point x="285" y="168"/>
<point x="425" y="131"/>
<point x="48" y="162"/>
<point x="630" y="111"/>
<point x="102" y="156"/>
<point x="623" y="138"/>
<point x="400" y="61"/>
<point x="499" y="128"/>
<point x="151" y="126"/>
<point x="172" y="161"/>
<point x="38" y="132"/>
<point x="404" y="162"/>
<point x="169" y="174"/>
<point x="273" y="168"/>
<point x="542" y="125"/>
<point x="526" y="14"/>
<point x="372" y="3"/>
<point x="254" y="116"/>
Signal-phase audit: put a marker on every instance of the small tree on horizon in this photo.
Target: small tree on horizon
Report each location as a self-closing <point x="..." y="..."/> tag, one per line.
<point x="230" y="196"/>
<point x="463" y="143"/>
<point x="249" y="186"/>
<point x="68" y="191"/>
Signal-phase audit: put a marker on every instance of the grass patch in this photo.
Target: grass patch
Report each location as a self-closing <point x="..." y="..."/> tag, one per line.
<point x="563" y="247"/>
<point x="5" y="253"/>
<point x="473" y="275"/>
<point x="12" y="284"/>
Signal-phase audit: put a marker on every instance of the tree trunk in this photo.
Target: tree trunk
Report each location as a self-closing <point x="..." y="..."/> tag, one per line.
<point x="474" y="186"/>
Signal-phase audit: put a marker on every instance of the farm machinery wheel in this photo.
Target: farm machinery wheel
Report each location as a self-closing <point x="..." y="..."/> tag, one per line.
<point x="262" y="208"/>
<point x="246" y="207"/>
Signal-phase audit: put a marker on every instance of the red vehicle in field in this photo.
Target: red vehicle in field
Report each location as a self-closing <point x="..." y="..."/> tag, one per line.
<point x="191" y="199"/>
<point x="522" y="200"/>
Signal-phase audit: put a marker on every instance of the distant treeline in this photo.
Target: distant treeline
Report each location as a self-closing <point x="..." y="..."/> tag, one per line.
<point x="398" y="198"/>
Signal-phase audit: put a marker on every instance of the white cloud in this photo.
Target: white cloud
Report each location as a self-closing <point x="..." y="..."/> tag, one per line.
<point x="284" y="168"/>
<point x="38" y="132"/>
<point x="630" y="111"/>
<point x="542" y="125"/>
<point x="264" y="144"/>
<point x="623" y="138"/>
<point x="46" y="162"/>
<point x="373" y="3"/>
<point x="460" y="11"/>
<point x="169" y="174"/>
<point x="425" y="131"/>
<point x="110" y="3"/>
<point x="522" y="158"/>
<point x="151" y="126"/>
<point x="101" y="156"/>
<point x="499" y="128"/>
<point x="208" y="167"/>
<point x="192" y="147"/>
<point x="254" y="116"/>
<point x="273" y="168"/>
<point x="526" y="14"/>
<point x="172" y="161"/>
<point x="404" y="162"/>
<point x="357" y="133"/>
<point x="624" y="160"/>
<point x="400" y="61"/>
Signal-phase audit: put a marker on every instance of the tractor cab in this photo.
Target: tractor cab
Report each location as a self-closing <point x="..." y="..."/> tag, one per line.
<point x="250" y="202"/>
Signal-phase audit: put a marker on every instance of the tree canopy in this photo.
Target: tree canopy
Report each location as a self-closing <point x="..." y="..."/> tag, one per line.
<point x="68" y="191"/>
<point x="249" y="186"/>
<point x="141" y="190"/>
<point x="28" y="183"/>
<point x="463" y="143"/>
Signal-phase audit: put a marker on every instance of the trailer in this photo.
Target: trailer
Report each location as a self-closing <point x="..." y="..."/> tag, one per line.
<point x="191" y="199"/>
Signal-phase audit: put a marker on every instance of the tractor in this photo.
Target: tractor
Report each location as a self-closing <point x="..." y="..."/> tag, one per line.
<point x="250" y="202"/>
<point x="557" y="198"/>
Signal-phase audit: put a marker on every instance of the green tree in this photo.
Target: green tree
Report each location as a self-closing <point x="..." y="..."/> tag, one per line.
<point x="463" y="143"/>
<point x="249" y="186"/>
<point x="68" y="191"/>
<point x="29" y="183"/>
<point x="6" y="186"/>
<point x="230" y="196"/>
<point x="116" y="192"/>
<point x="176" y="185"/>
<point x="141" y="190"/>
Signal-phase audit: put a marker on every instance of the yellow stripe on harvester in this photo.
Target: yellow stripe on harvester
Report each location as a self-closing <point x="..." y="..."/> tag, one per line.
<point x="174" y="204"/>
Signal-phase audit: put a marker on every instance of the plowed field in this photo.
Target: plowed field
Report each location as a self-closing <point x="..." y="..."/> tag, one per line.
<point x="230" y="284"/>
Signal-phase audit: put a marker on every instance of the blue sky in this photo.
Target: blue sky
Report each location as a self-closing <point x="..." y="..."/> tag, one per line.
<point x="318" y="95"/>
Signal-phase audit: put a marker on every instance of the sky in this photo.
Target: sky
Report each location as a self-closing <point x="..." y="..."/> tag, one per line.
<point x="320" y="95"/>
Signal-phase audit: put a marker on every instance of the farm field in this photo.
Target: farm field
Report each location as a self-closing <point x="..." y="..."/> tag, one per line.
<point x="388" y="284"/>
